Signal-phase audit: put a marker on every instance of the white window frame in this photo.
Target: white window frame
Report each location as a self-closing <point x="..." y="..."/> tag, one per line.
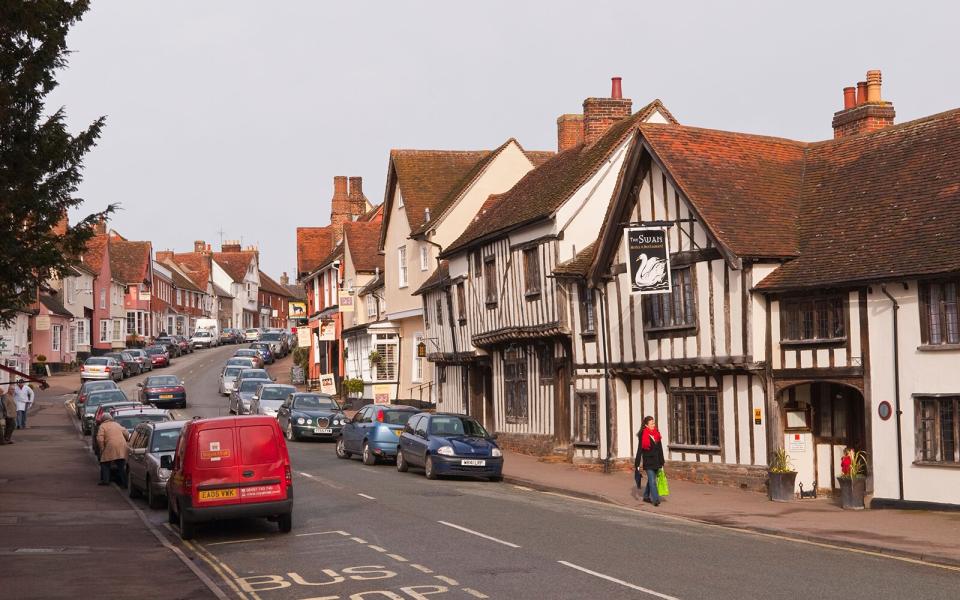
<point x="71" y="288"/>
<point x="72" y="339"/>
<point x="424" y="258"/>
<point x="417" y="376"/>
<point x="83" y="332"/>
<point x="56" y="333"/>
<point x="402" y="280"/>
<point x="371" y="306"/>
<point x="104" y="331"/>
<point x="179" y="298"/>
<point x="103" y="298"/>
<point x="118" y="330"/>
<point x="388" y="340"/>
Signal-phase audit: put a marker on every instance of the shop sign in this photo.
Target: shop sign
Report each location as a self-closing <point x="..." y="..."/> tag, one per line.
<point x="298" y="309"/>
<point x="42" y="323"/>
<point x="328" y="385"/>
<point x="648" y="257"/>
<point x="303" y="336"/>
<point x="345" y="302"/>
<point x="327" y="331"/>
<point x="381" y="394"/>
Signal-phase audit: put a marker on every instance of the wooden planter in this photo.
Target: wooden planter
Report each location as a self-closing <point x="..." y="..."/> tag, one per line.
<point x="852" y="492"/>
<point x="780" y="486"/>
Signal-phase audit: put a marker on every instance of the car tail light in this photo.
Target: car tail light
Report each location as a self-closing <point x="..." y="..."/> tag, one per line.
<point x="379" y="416"/>
<point x="289" y="474"/>
<point x="106" y="369"/>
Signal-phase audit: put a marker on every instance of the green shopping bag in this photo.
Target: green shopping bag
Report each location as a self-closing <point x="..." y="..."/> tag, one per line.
<point x="663" y="489"/>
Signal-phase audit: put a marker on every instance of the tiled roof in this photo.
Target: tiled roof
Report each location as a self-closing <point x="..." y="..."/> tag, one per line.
<point x="92" y="257"/>
<point x="180" y="280"/>
<point x="579" y="264"/>
<point x="374" y="214"/>
<point x="363" y="239"/>
<point x="333" y="255"/>
<point x="746" y="187"/>
<point x="313" y="243"/>
<point x="196" y="265"/>
<point x="427" y="177"/>
<point x="879" y="206"/>
<point x="544" y="189"/>
<point x="538" y="157"/>
<point x="296" y="291"/>
<point x="439" y="275"/>
<point x="374" y="285"/>
<point x="268" y="284"/>
<point x="234" y="263"/>
<point x="54" y="305"/>
<point x="129" y="261"/>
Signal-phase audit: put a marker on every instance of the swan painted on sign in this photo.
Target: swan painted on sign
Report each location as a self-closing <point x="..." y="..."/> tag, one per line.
<point x="650" y="272"/>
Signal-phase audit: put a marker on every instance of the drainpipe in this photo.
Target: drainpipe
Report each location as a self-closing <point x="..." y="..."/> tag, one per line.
<point x="602" y="336"/>
<point x="896" y="386"/>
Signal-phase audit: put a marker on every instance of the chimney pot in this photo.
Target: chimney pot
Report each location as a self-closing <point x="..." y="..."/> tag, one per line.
<point x="849" y="97"/>
<point x="199" y="246"/>
<point x="861" y="92"/>
<point x="600" y="113"/>
<point x="873" y="86"/>
<point x="616" y="91"/>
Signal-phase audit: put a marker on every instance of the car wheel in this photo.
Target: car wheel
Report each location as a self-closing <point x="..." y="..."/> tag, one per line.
<point x="368" y="457"/>
<point x="290" y="433"/>
<point x="402" y="465"/>
<point x="285" y="522"/>
<point x="153" y="501"/>
<point x="132" y="490"/>
<point x="187" y="527"/>
<point x="428" y="469"/>
<point x="342" y="449"/>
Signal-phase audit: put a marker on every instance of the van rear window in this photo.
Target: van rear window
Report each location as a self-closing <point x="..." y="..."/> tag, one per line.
<point x="258" y="445"/>
<point x="215" y="449"/>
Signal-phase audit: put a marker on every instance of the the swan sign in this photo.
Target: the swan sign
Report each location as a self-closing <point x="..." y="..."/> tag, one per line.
<point x="649" y="260"/>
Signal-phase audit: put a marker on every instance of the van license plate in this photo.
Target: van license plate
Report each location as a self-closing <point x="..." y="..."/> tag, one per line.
<point x="469" y="462"/>
<point x="218" y="494"/>
<point x="323" y="430"/>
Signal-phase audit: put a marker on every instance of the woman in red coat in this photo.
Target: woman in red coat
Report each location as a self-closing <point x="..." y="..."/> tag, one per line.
<point x="651" y="450"/>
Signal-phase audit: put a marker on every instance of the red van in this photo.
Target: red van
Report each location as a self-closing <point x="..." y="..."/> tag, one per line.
<point x="228" y="468"/>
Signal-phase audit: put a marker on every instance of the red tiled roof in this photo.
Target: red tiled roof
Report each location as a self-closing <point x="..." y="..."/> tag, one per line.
<point x="439" y="275"/>
<point x="129" y="261"/>
<point x="579" y="264"/>
<point x="538" y="157"/>
<point x="234" y="263"/>
<point x="179" y="280"/>
<point x="313" y="243"/>
<point x="363" y="239"/>
<point x="374" y="214"/>
<point x="544" y="189"/>
<point x="268" y="284"/>
<point x="197" y="266"/>
<point x="92" y="257"/>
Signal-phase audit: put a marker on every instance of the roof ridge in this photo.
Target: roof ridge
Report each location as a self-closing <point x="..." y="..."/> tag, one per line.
<point x="739" y="134"/>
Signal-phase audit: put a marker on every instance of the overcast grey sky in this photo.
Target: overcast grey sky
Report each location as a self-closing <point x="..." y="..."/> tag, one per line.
<point x="237" y="115"/>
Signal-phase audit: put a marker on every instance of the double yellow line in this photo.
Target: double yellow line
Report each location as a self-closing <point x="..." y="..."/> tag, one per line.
<point x="218" y="566"/>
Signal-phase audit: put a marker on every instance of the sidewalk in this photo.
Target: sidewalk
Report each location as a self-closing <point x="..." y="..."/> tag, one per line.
<point x="62" y="535"/>
<point x="921" y="535"/>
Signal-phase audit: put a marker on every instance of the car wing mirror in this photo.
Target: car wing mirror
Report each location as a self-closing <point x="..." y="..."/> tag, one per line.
<point x="138" y="451"/>
<point x="182" y="382"/>
<point x="140" y="384"/>
<point x="166" y="462"/>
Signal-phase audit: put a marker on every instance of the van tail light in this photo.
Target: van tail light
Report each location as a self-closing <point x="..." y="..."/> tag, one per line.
<point x="288" y="474"/>
<point x="379" y="416"/>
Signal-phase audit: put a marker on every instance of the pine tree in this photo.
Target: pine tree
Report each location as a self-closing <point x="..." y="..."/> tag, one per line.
<point x="40" y="161"/>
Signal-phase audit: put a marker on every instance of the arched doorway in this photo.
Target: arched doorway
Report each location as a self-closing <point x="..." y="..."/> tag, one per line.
<point x="820" y="419"/>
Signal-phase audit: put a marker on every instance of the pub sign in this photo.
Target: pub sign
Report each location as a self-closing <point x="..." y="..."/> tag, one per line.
<point x="648" y="260"/>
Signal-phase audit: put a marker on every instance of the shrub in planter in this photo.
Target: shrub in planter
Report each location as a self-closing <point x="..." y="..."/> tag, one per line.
<point x="853" y="486"/>
<point x="353" y="386"/>
<point x="781" y="477"/>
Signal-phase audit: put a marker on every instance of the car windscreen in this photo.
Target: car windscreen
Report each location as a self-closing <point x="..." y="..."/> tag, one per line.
<point x="162" y="381"/>
<point x="278" y="392"/>
<point x="397" y="417"/>
<point x="315" y="403"/>
<point x="270" y="337"/>
<point x="202" y="334"/>
<point x="106" y="396"/>
<point x="165" y="440"/>
<point x="250" y="385"/>
<point x="97" y="361"/>
<point x="96" y="386"/>
<point x="254" y="374"/>
<point x="450" y="425"/>
<point x="247" y="352"/>
<point x="231" y="371"/>
<point x="130" y="421"/>
<point x="155" y="351"/>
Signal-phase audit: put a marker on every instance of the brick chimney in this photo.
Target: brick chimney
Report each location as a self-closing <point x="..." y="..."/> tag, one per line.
<point x="569" y="131"/>
<point x="164" y="255"/>
<point x="863" y="109"/>
<point x="230" y="246"/>
<point x="358" y="202"/>
<point x="100" y="228"/>
<point x="339" y="207"/>
<point x="199" y="247"/>
<point x="284" y="279"/>
<point x="600" y="113"/>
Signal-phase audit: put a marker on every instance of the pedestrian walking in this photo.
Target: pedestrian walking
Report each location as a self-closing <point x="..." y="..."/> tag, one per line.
<point x="9" y="409"/>
<point x="651" y="453"/>
<point x="112" y="441"/>
<point x="23" y="396"/>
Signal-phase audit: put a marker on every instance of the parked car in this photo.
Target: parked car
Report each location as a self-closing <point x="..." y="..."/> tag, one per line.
<point x="159" y="356"/>
<point x="277" y="342"/>
<point x="204" y="339"/>
<point x="265" y="353"/>
<point x="185" y="346"/>
<point x="228" y="377"/>
<point x="374" y="432"/>
<point x="172" y="345"/>
<point x="142" y="358"/>
<point x="449" y="444"/>
<point x="150" y="458"/>
<point x="101" y="367"/>
<point x="161" y="390"/>
<point x="206" y="483"/>
<point x="111" y="408"/>
<point x="243" y="392"/>
<point x="244" y="362"/>
<point x="88" y="387"/>
<point x="94" y="400"/>
<point x="250" y="353"/>
<point x="268" y="398"/>
<point x="128" y="365"/>
<point x="253" y="374"/>
<point x="306" y="414"/>
<point x="251" y="335"/>
<point x="229" y="336"/>
<point x="130" y="417"/>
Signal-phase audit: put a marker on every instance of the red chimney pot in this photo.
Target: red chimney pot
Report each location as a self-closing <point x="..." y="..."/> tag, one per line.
<point x="616" y="91"/>
<point x="861" y="92"/>
<point x="849" y="97"/>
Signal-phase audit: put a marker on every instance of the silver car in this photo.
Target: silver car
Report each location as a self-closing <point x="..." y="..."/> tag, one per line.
<point x="101" y="367"/>
<point x="228" y="377"/>
<point x="243" y="393"/>
<point x="141" y="358"/>
<point x="267" y="399"/>
<point x="149" y="459"/>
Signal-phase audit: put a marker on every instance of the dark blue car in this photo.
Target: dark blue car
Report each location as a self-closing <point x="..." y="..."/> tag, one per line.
<point x="449" y="444"/>
<point x="374" y="432"/>
<point x="265" y="353"/>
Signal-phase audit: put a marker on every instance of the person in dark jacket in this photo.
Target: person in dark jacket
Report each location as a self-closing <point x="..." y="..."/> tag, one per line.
<point x="651" y="453"/>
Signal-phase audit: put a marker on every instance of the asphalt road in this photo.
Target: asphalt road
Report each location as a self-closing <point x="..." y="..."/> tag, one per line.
<point x="373" y="533"/>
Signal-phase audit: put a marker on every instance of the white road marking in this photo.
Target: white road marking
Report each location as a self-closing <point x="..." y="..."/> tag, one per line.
<point x="236" y="541"/>
<point x="524" y="488"/>
<point x="447" y="580"/>
<point x="366" y="496"/>
<point x="321" y="480"/>
<point x="475" y="593"/>
<point x="358" y="540"/>
<point x="343" y="533"/>
<point x="617" y="581"/>
<point x="397" y="557"/>
<point x="377" y="548"/>
<point x="478" y="534"/>
<point x="421" y="568"/>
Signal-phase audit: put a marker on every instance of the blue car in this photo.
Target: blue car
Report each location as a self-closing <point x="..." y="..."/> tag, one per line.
<point x="265" y="353"/>
<point x="449" y="444"/>
<point x="374" y="432"/>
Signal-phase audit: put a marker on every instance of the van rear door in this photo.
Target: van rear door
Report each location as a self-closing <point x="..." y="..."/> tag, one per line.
<point x="261" y="463"/>
<point x="217" y="477"/>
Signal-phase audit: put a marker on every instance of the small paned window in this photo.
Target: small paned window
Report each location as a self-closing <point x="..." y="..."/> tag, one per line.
<point x="813" y="319"/>
<point x="461" y="303"/>
<point x="586" y="425"/>
<point x="515" y="386"/>
<point x="588" y="314"/>
<point x="695" y="419"/>
<point x="938" y="429"/>
<point x="676" y="310"/>
<point x="939" y="315"/>
<point x="531" y="271"/>
<point x="490" y="280"/>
